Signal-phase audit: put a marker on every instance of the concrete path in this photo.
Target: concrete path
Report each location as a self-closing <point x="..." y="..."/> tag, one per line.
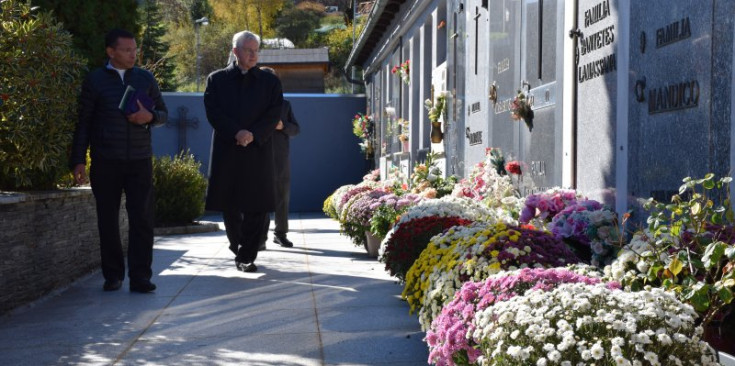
<point x="323" y="302"/>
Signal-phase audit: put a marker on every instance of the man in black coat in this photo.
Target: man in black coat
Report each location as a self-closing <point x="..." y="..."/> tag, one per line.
<point x="286" y="128"/>
<point x="121" y="152"/>
<point x="243" y="105"/>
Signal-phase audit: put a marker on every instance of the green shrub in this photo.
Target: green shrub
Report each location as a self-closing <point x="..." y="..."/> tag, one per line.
<point x="180" y="189"/>
<point x="40" y="77"/>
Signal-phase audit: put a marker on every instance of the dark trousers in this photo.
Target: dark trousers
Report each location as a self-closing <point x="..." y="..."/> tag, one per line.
<point x="109" y="180"/>
<point x="283" y="192"/>
<point x="244" y="230"/>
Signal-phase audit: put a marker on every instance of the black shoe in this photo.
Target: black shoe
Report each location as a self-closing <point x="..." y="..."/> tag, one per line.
<point x="282" y="241"/>
<point x="261" y="247"/>
<point x="144" y="286"/>
<point x="112" y="285"/>
<point x="246" y="267"/>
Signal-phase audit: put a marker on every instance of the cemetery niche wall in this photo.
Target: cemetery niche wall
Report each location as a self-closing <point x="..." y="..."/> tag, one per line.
<point x="627" y="97"/>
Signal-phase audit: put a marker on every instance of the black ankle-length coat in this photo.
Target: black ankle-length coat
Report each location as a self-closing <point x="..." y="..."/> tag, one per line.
<point x="241" y="177"/>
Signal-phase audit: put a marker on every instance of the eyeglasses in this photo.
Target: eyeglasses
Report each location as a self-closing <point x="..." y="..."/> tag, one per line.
<point x="126" y="50"/>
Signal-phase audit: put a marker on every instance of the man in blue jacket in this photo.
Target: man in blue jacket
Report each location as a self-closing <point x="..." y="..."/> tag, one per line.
<point x="121" y="152"/>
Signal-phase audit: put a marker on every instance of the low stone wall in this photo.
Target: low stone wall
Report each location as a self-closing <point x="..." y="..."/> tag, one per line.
<point x="47" y="240"/>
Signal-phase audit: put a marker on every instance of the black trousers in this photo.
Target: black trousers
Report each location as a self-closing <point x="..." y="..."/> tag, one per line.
<point x="244" y="230"/>
<point x="109" y="180"/>
<point x="283" y="192"/>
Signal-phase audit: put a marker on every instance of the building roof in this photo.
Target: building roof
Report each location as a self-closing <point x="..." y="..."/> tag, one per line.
<point x="382" y="13"/>
<point x="294" y="56"/>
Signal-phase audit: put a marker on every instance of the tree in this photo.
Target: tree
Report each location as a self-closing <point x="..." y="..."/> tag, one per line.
<point x="89" y="21"/>
<point x="152" y="50"/>
<point x="40" y="76"/>
<point x="296" y="25"/>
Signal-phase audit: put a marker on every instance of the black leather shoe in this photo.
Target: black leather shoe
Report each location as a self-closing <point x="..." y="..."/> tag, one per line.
<point x="246" y="267"/>
<point x="282" y="241"/>
<point x="142" y="286"/>
<point x="112" y="285"/>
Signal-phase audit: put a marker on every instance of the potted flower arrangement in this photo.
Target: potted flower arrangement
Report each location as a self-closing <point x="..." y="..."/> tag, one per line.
<point x="364" y="128"/>
<point x="388" y="209"/>
<point x="407" y="241"/>
<point x="584" y="324"/>
<point x="360" y="212"/>
<point x="521" y="109"/>
<point x="450" y="337"/>
<point x="436" y="115"/>
<point x="590" y="229"/>
<point x="403" y="70"/>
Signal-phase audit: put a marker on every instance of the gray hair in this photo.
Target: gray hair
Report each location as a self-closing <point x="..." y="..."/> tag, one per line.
<point x="240" y="37"/>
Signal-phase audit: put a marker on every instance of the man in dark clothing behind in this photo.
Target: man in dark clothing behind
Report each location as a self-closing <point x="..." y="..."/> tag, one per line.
<point x="243" y="105"/>
<point x="286" y="128"/>
<point x="121" y="152"/>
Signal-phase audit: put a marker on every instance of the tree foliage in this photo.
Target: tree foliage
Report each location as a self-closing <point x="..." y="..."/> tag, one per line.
<point x="296" y="24"/>
<point x="152" y="50"/>
<point x="40" y="76"/>
<point x="89" y="21"/>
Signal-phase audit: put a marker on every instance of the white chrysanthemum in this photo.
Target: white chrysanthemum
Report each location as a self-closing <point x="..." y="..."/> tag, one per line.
<point x="595" y="339"/>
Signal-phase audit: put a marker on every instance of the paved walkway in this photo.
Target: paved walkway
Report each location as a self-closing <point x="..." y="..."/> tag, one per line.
<point x="322" y="302"/>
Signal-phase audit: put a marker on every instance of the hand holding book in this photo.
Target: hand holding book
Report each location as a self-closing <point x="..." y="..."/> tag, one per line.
<point x="129" y="101"/>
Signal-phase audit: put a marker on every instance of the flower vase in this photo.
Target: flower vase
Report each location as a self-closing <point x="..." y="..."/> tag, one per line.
<point x="404" y="145"/>
<point x="436" y="132"/>
<point x="373" y="244"/>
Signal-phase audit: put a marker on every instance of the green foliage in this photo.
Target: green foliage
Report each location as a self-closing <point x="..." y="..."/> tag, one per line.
<point x="296" y="24"/>
<point x="180" y="189"/>
<point x="692" y="251"/>
<point x="89" y="21"/>
<point x="39" y="82"/>
<point x="152" y="50"/>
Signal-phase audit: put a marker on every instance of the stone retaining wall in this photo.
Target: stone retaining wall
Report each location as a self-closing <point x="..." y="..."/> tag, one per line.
<point x="47" y="240"/>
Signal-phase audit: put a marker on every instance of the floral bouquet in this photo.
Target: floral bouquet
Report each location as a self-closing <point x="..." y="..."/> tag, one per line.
<point x="495" y="189"/>
<point x="473" y="253"/>
<point x="450" y="336"/>
<point x="583" y="324"/>
<point x="544" y="206"/>
<point x="372" y="176"/>
<point x="403" y="71"/>
<point x="591" y="230"/>
<point x="513" y="167"/>
<point x="521" y="109"/>
<point x="427" y="179"/>
<point x="436" y="108"/>
<point x="408" y="241"/>
<point x="387" y="209"/>
<point x="364" y="128"/>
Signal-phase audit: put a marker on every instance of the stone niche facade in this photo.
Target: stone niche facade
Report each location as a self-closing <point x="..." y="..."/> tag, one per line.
<point x="47" y="240"/>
